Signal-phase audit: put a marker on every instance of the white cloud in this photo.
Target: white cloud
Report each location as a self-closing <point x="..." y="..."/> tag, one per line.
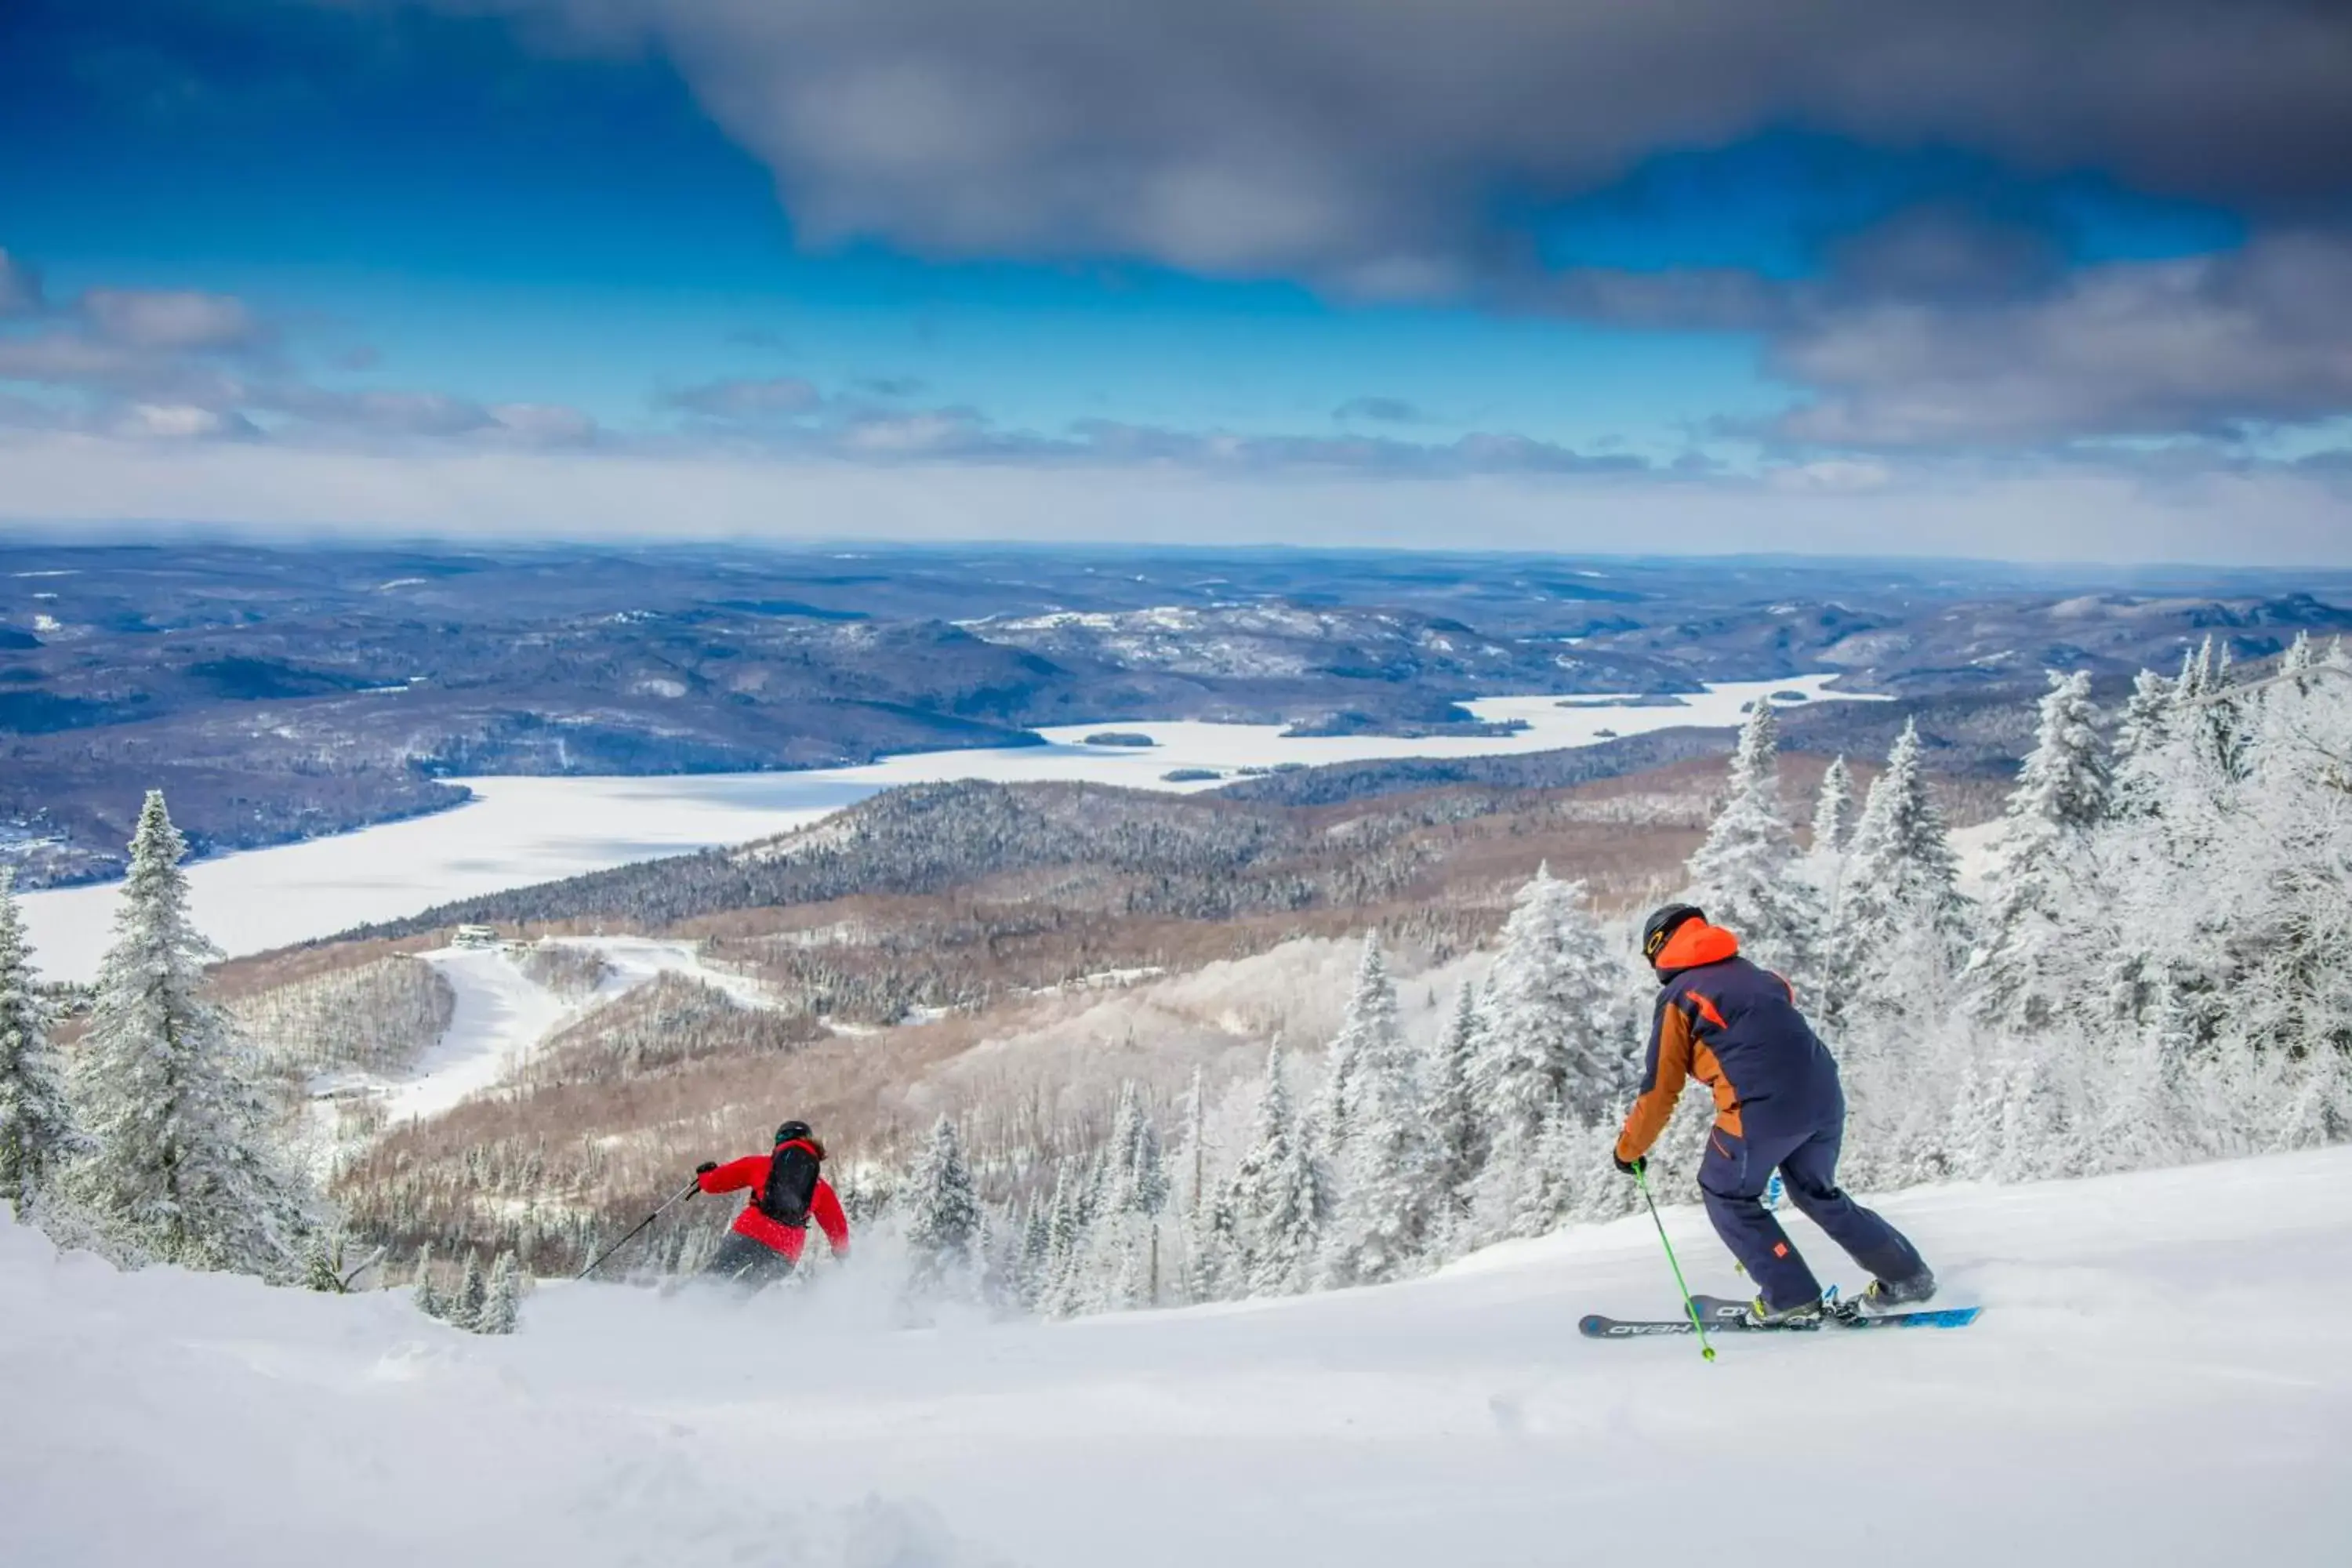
<point x="1831" y="475"/>
<point x="176" y="421"/>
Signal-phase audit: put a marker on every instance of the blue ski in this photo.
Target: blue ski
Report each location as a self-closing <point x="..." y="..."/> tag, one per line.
<point x="1723" y="1315"/>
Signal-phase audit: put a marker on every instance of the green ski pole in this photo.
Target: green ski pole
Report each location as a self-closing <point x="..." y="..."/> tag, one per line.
<point x="1706" y="1351"/>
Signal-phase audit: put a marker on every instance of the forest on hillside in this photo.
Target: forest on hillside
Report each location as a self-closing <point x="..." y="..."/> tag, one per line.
<point x="1078" y="1048"/>
<point x="2065" y="1020"/>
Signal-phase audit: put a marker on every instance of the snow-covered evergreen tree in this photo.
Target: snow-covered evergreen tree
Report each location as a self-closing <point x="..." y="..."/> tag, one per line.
<point x="1280" y="1206"/>
<point x="1124" y="1266"/>
<point x="944" y="1228"/>
<point x="1192" y="1196"/>
<point x="1743" y="875"/>
<point x="185" y="1169"/>
<point x="2216" y="718"/>
<point x="2149" y="1105"/>
<point x="1544" y="1185"/>
<point x="2040" y="890"/>
<point x="1553" y="1037"/>
<point x="2140" y="736"/>
<point x="502" y="1308"/>
<point x="1970" y="1141"/>
<point x="1903" y="924"/>
<point x="1833" y="809"/>
<point x="1068" y="1288"/>
<point x="1372" y="1006"/>
<point x="1035" y="1260"/>
<point x="321" y="1266"/>
<point x="2300" y="655"/>
<point x="1389" y="1184"/>
<point x="2269" y="938"/>
<point x="1328" y="1130"/>
<point x="427" y="1290"/>
<point x="36" y="1127"/>
<point x="473" y="1294"/>
<point x="1139" y="1175"/>
<point x="1453" y="1133"/>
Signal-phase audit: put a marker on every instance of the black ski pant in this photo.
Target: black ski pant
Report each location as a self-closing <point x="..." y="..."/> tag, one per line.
<point x="1733" y="1178"/>
<point x="753" y="1262"/>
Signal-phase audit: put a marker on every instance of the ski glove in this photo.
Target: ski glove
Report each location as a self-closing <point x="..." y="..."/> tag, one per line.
<point x="706" y="1167"/>
<point x="1632" y="1167"/>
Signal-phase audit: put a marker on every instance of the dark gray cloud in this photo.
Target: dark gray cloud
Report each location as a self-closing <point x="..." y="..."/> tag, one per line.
<point x="1372" y="147"/>
<point x="1391" y="150"/>
<point x="765" y="398"/>
<point x="2200" y="345"/>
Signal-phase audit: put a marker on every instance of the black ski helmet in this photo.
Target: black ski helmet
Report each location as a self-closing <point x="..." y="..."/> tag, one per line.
<point x="1660" y="928"/>
<point x="795" y="1132"/>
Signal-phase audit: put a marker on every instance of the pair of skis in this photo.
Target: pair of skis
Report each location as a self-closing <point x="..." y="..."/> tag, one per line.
<point x="1723" y="1315"/>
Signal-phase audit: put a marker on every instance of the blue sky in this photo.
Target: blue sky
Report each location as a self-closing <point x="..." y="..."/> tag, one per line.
<point x="1519" y="271"/>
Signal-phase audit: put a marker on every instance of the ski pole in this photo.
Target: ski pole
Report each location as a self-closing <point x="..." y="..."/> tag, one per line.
<point x="685" y="1192"/>
<point x="1706" y="1351"/>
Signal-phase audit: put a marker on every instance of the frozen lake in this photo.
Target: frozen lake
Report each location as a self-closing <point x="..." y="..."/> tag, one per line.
<point x="526" y="830"/>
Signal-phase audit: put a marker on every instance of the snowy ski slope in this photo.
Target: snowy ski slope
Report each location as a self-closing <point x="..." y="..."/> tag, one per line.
<point x="2152" y="1384"/>
<point x="501" y="1014"/>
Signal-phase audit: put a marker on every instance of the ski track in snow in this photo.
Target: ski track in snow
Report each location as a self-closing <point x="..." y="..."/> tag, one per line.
<point x="502" y="1014"/>
<point x="2142" y="1389"/>
<point x="523" y="830"/>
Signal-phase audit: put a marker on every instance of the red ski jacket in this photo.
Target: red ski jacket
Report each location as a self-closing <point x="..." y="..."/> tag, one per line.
<point x="751" y="1170"/>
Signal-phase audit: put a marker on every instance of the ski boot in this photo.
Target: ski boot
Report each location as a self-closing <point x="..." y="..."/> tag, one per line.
<point x="1882" y="1296"/>
<point x="1803" y="1315"/>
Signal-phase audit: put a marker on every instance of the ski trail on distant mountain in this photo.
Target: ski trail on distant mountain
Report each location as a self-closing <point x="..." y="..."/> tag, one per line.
<point x="502" y="1015"/>
<point x="634" y="960"/>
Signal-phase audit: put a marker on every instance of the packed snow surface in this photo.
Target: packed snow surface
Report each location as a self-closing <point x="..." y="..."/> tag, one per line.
<point x="498" y="1012"/>
<point x="501" y="1014"/>
<point x="525" y="830"/>
<point x="2149" y="1385"/>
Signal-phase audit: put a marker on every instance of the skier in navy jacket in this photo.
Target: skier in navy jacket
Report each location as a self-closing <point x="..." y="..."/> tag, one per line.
<point x="1778" y="1104"/>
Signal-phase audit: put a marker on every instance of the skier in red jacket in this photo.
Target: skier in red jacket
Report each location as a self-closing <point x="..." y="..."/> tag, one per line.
<point x="787" y="1192"/>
